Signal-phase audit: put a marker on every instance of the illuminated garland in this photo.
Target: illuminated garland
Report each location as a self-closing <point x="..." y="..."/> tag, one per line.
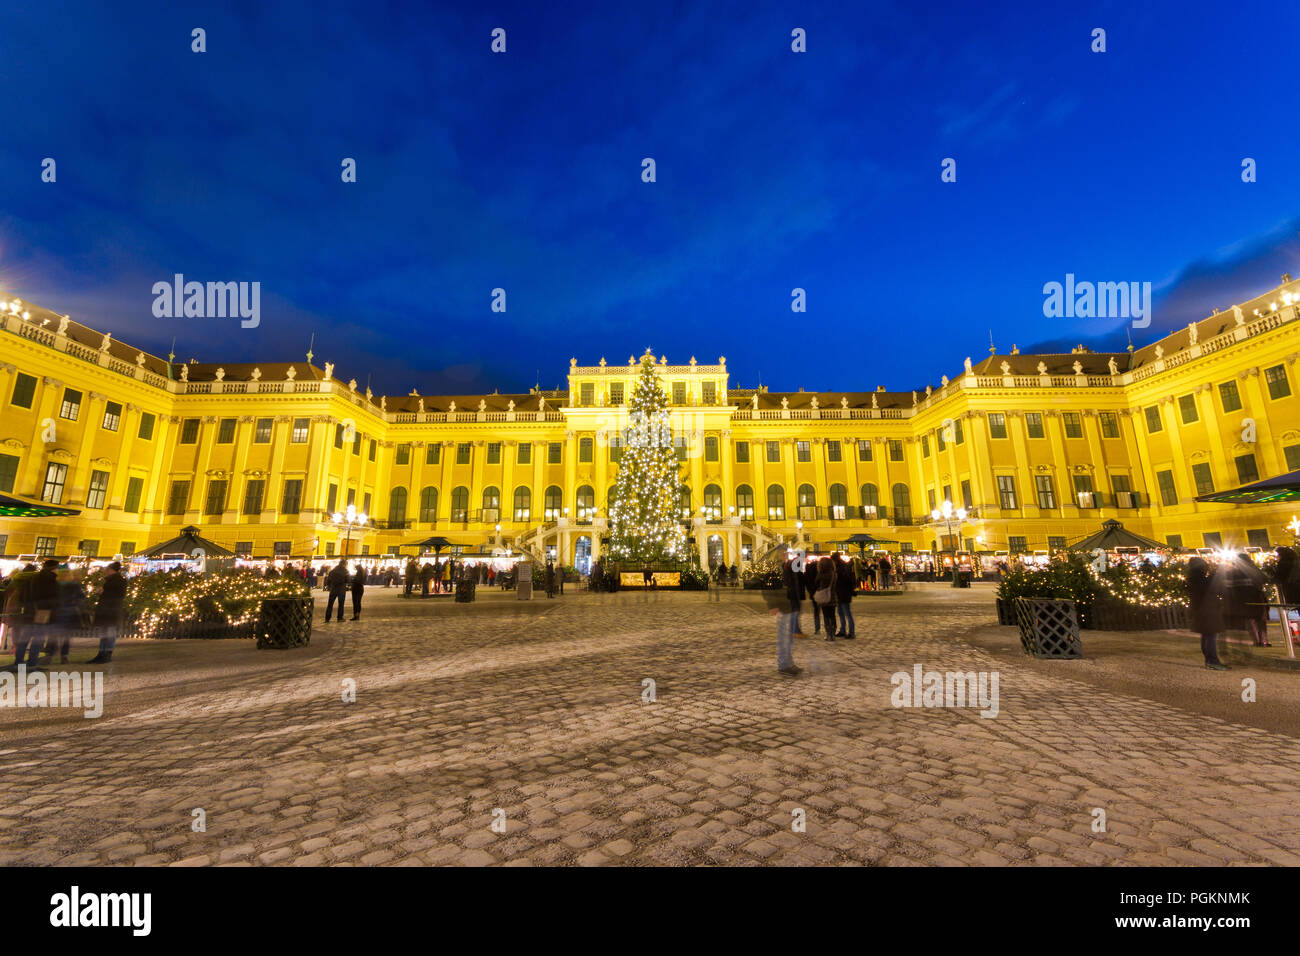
<point x="231" y="598"/>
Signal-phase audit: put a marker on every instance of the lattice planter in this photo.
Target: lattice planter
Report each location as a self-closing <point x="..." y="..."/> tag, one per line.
<point x="1048" y="628"/>
<point x="1006" y="612"/>
<point x="285" y="622"/>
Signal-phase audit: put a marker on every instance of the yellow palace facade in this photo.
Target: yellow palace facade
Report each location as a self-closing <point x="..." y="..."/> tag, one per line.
<point x="1039" y="449"/>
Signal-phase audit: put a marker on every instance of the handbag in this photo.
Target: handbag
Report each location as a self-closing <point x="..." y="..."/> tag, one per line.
<point x="825" y="595"/>
<point x="43" y="617"/>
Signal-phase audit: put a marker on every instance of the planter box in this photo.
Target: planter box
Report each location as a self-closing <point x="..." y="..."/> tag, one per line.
<point x="285" y="622"/>
<point x="1048" y="628"/>
<point x="190" y="630"/>
<point x="1115" y="616"/>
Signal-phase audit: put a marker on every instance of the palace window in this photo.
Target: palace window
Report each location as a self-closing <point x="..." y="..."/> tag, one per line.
<point x="1153" y="419"/>
<point x="494" y="453"/>
<point x="1187" y="409"/>
<point x="134" y="491"/>
<point x="870" y="501"/>
<point x="71" y="406"/>
<point x="967" y="501"/>
<point x="679" y="393"/>
<point x="902" y="504"/>
<point x="712" y="504"/>
<point x="429" y="504"/>
<point x="253" y="493"/>
<point x="775" y="503"/>
<point x="1292" y="453"/>
<point x="832" y="450"/>
<point x="291" y="500"/>
<point x="616" y="393"/>
<point x="262" y="431"/>
<point x="491" y="505"/>
<point x="807" y="502"/>
<point x="332" y="499"/>
<point x="1034" y="424"/>
<point x="586" y="449"/>
<point x="45" y="547"/>
<point x="356" y="443"/>
<point x="709" y="393"/>
<point x="24" y="391"/>
<point x="710" y="447"/>
<point x="1007" y="492"/>
<point x="745" y="503"/>
<point x="1073" y="424"/>
<point x="301" y="426"/>
<point x="403" y="454"/>
<point x="864" y="449"/>
<point x="684" y="500"/>
<point x="1017" y="544"/>
<point x="462" y="453"/>
<point x="8" y="472"/>
<point x="178" y="499"/>
<point x="553" y="504"/>
<point x="1213" y="539"/>
<point x="339" y="428"/>
<point x="585" y="504"/>
<point x="112" y="416"/>
<point x="839" y="502"/>
<point x="397" y="507"/>
<point x="56" y="475"/>
<point x="145" y="432"/>
<point x="554" y="452"/>
<point x="958" y="431"/>
<point x="1278" y="386"/>
<point x="1229" y="396"/>
<point x="1175" y="541"/>
<point x="1202" y="478"/>
<point x="1168" y="491"/>
<point x="460" y="503"/>
<point x="1109" y="424"/>
<point x="895" y="449"/>
<point x="190" y="431"/>
<point x="524" y="453"/>
<point x="216" y="502"/>
<point x="226" y="432"/>
<point x="803" y="451"/>
<point x="742" y="452"/>
<point x="1257" y="537"/>
<point x="587" y="394"/>
<point x="98" y="490"/>
<point x="1084" y="496"/>
<point x="523" y="502"/>
<point x="1246" y="470"/>
<point x="997" y="425"/>
<point x="773" y="451"/>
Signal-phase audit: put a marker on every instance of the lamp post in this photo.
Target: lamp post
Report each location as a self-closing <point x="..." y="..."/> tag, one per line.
<point x="946" y="513"/>
<point x="1294" y="528"/>
<point x="350" y="519"/>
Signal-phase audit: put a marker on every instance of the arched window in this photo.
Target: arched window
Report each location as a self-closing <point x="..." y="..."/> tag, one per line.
<point x="397" y="505"/>
<point x="585" y="503"/>
<point x="553" y="504"/>
<point x="684" y="501"/>
<point x="775" y="503"/>
<point x="870" y="501"/>
<point x="523" y="503"/>
<point x="902" y="504"/>
<point x="839" y="502"/>
<point x="460" y="504"/>
<point x="429" y="504"/>
<point x="807" y="502"/>
<point x="713" y="504"/>
<point x="491" y="505"/>
<point x="745" y="503"/>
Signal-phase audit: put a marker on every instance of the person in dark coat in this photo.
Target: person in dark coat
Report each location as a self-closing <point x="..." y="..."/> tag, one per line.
<point x="337" y="582"/>
<point x="884" y="570"/>
<point x="845" y="584"/>
<point x="20" y="612"/>
<point x="1247" y="600"/>
<point x="810" y="588"/>
<point x="784" y="603"/>
<point x="358" y="589"/>
<point x="108" y="613"/>
<point x="1205" y="611"/>
<point x="550" y="580"/>
<point x="826" y="581"/>
<point x="44" y="596"/>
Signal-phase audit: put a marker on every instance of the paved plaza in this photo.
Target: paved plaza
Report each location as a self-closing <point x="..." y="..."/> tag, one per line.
<point x="532" y="716"/>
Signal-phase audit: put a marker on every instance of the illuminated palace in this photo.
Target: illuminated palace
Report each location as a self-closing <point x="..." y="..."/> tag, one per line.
<point x="1039" y="449"/>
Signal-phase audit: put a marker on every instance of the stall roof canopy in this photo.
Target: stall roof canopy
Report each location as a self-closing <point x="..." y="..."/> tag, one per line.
<point x="187" y="542"/>
<point x="11" y="507"/>
<point x="1280" y="488"/>
<point x="1112" y="535"/>
<point x="437" y="542"/>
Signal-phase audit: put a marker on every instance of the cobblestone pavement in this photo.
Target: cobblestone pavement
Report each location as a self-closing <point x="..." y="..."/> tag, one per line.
<point x="537" y="710"/>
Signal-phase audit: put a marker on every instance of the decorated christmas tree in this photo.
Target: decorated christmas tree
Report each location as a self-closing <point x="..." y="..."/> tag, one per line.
<point x="644" y="521"/>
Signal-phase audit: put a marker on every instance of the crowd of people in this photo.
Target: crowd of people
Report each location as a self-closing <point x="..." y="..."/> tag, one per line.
<point x="1234" y="594"/>
<point x="830" y="582"/>
<point x="45" y="607"/>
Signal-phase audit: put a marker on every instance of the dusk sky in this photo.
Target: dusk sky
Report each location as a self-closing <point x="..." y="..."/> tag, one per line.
<point x="522" y="170"/>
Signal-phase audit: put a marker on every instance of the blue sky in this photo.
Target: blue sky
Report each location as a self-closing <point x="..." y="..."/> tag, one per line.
<point x="522" y="171"/>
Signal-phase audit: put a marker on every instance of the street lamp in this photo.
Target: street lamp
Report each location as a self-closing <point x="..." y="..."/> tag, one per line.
<point x="946" y="513"/>
<point x="1294" y="528"/>
<point x="350" y="519"/>
<point x="798" y="527"/>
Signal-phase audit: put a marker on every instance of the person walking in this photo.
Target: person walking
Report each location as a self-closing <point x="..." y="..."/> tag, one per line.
<point x="108" y="613"/>
<point x="337" y="582"/>
<point x="358" y="589"/>
<point x="1205" y="613"/>
<point x="550" y="580"/>
<point x="810" y="588"/>
<point x="20" y="613"/>
<point x="784" y="603"/>
<point x="1248" y="601"/>
<point x="845" y="585"/>
<point x="824" y="596"/>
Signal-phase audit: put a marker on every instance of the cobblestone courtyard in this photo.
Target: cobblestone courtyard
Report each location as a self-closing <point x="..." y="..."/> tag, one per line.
<point x="537" y="710"/>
